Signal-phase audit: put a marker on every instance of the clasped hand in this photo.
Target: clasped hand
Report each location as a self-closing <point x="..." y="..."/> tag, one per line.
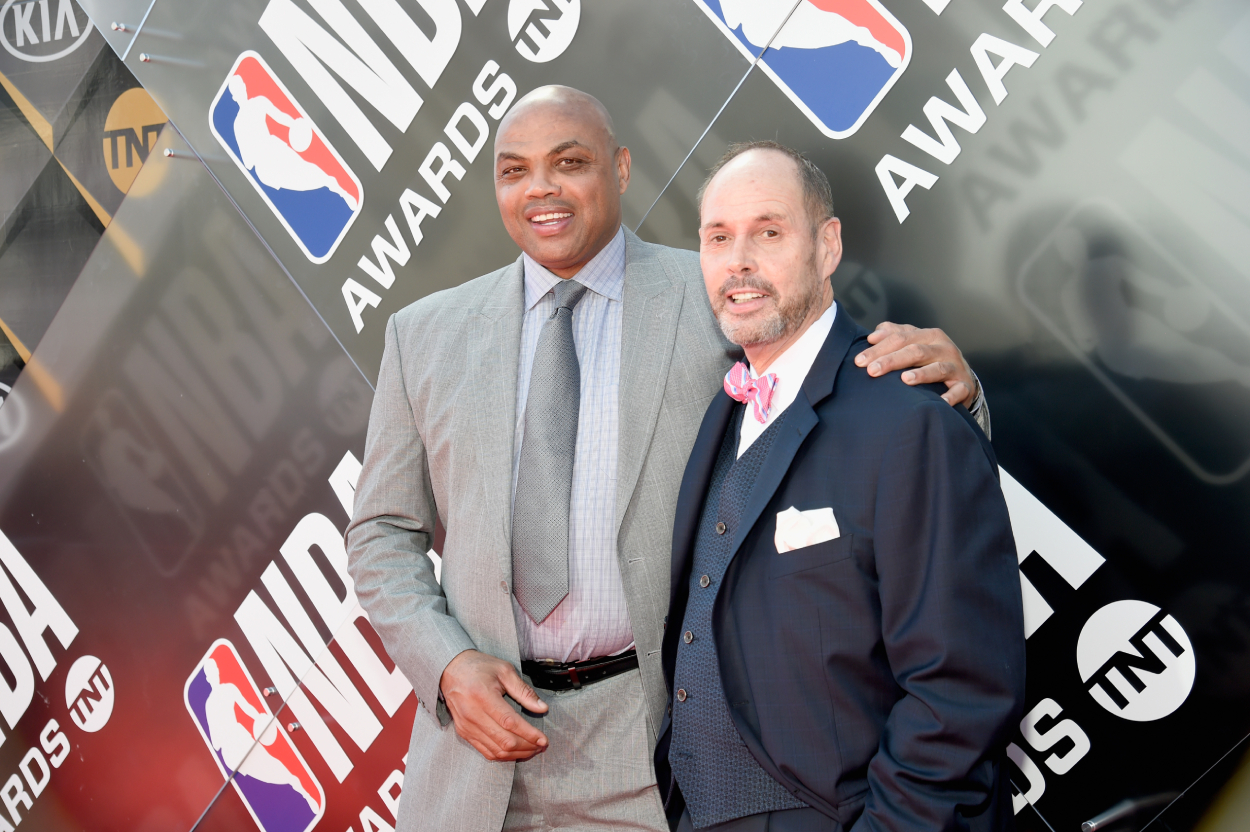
<point x="474" y="685"/>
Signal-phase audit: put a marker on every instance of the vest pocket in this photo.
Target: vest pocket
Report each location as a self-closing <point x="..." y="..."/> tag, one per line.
<point x="810" y="557"/>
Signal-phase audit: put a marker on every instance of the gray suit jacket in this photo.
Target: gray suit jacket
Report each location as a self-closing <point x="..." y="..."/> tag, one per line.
<point x="440" y="443"/>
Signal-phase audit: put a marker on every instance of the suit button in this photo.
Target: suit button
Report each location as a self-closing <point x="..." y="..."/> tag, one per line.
<point x="720" y="528"/>
<point x="681" y="694"/>
<point x="503" y="585"/>
<point x="704" y="581"/>
<point x="687" y="637"/>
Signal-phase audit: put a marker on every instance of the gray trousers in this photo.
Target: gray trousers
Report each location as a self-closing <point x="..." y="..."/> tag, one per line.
<point x="597" y="772"/>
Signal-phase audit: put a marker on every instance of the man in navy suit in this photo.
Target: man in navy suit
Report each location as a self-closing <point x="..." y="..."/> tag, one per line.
<point x="845" y="643"/>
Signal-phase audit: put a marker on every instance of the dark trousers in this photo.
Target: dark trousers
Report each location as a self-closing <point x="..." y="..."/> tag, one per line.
<point x="791" y="820"/>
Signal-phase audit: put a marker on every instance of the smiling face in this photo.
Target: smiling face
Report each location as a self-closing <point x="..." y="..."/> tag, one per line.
<point x="559" y="177"/>
<point x="765" y="268"/>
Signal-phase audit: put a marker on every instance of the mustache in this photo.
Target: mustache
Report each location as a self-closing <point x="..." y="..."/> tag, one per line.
<point x="546" y="207"/>
<point x="750" y="281"/>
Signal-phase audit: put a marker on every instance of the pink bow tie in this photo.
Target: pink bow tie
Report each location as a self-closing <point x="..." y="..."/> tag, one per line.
<point x="758" y="391"/>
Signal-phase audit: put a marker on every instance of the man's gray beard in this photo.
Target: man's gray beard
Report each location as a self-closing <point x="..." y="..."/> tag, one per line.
<point x="783" y="320"/>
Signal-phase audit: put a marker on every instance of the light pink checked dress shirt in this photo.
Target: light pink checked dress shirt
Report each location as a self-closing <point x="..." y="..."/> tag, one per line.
<point x="592" y="620"/>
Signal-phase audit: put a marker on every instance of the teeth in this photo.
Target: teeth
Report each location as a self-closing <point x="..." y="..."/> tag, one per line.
<point x="550" y="217"/>
<point x="743" y="297"/>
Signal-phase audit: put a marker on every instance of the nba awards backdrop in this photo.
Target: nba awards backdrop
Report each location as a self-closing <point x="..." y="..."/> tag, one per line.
<point x="208" y="211"/>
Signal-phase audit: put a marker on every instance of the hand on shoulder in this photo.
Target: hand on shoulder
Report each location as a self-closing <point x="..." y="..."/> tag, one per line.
<point x="928" y="356"/>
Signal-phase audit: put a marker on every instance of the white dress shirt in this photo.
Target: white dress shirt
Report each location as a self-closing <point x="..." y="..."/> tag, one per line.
<point x="592" y="620"/>
<point x="791" y="368"/>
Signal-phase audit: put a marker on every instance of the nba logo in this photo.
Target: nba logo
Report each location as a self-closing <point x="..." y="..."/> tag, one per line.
<point x="251" y="749"/>
<point x="835" y="59"/>
<point x="295" y="170"/>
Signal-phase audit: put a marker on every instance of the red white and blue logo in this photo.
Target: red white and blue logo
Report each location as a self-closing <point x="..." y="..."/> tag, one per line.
<point x="835" y="59"/>
<point x="304" y="181"/>
<point x="250" y="747"/>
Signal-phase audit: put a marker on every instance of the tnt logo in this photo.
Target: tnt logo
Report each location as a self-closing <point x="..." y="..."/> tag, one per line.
<point x="271" y="777"/>
<point x="130" y="130"/>
<point x="89" y="693"/>
<point x="1135" y="660"/>
<point x="542" y="29"/>
<point x="304" y="181"/>
<point x="835" y="59"/>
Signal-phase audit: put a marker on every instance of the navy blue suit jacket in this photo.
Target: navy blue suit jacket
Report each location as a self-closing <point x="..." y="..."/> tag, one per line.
<point x="879" y="675"/>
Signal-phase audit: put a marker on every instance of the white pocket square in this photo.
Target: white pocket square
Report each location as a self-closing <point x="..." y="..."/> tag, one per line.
<point x="796" y="529"/>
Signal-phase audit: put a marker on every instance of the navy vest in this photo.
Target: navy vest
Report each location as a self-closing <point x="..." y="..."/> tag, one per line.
<point x="718" y="776"/>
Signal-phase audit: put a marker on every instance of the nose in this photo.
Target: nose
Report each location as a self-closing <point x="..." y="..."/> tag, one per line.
<point x="542" y="184"/>
<point x="742" y="256"/>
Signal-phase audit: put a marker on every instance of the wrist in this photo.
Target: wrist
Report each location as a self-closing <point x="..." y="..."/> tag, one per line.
<point x="450" y="668"/>
<point x="977" y="399"/>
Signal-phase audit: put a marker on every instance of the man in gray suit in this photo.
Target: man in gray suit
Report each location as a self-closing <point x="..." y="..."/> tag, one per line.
<point x="544" y="413"/>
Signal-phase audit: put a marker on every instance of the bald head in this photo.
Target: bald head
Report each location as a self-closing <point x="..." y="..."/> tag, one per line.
<point x="571" y="103"/>
<point x="815" y="185"/>
<point x="559" y="176"/>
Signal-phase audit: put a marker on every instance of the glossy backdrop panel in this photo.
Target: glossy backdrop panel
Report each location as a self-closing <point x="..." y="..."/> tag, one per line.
<point x="183" y="464"/>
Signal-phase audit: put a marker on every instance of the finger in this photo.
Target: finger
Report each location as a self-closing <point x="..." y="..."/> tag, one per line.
<point x="510" y="743"/>
<point x="476" y="725"/>
<point x="489" y="713"/>
<point x="939" y="347"/>
<point x="479" y="741"/>
<point x="931" y="373"/>
<point x="511" y="722"/>
<point x="524" y="695"/>
<point x="906" y="358"/>
<point x="491" y="752"/>
<point x="886" y="345"/>
<point x="510" y="756"/>
<point x="476" y="737"/>
<point x="958" y="393"/>
<point x="492" y="740"/>
<point x="886" y="328"/>
<point x="513" y="756"/>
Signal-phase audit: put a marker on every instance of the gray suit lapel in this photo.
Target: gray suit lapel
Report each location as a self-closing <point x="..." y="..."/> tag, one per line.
<point x="652" y="306"/>
<point x="493" y="363"/>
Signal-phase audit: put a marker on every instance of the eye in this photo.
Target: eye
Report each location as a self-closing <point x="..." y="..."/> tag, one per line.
<point x="510" y="171"/>
<point x="770" y="232"/>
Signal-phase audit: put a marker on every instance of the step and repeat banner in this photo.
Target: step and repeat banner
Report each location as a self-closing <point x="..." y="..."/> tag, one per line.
<point x="209" y="210"/>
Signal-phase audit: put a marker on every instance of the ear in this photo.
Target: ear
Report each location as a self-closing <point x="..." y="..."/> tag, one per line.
<point x="829" y="245"/>
<point x="622" y="167"/>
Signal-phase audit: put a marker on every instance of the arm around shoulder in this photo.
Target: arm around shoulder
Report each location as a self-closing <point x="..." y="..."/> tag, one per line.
<point x="390" y="535"/>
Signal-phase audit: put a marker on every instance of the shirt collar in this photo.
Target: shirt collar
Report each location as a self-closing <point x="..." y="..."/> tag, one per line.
<point x="604" y="274"/>
<point x="793" y="365"/>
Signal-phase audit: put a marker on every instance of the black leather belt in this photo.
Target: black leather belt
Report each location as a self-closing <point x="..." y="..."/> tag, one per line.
<point x="552" y="675"/>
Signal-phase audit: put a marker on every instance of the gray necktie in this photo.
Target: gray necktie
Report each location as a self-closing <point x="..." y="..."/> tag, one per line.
<point x="544" y="484"/>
